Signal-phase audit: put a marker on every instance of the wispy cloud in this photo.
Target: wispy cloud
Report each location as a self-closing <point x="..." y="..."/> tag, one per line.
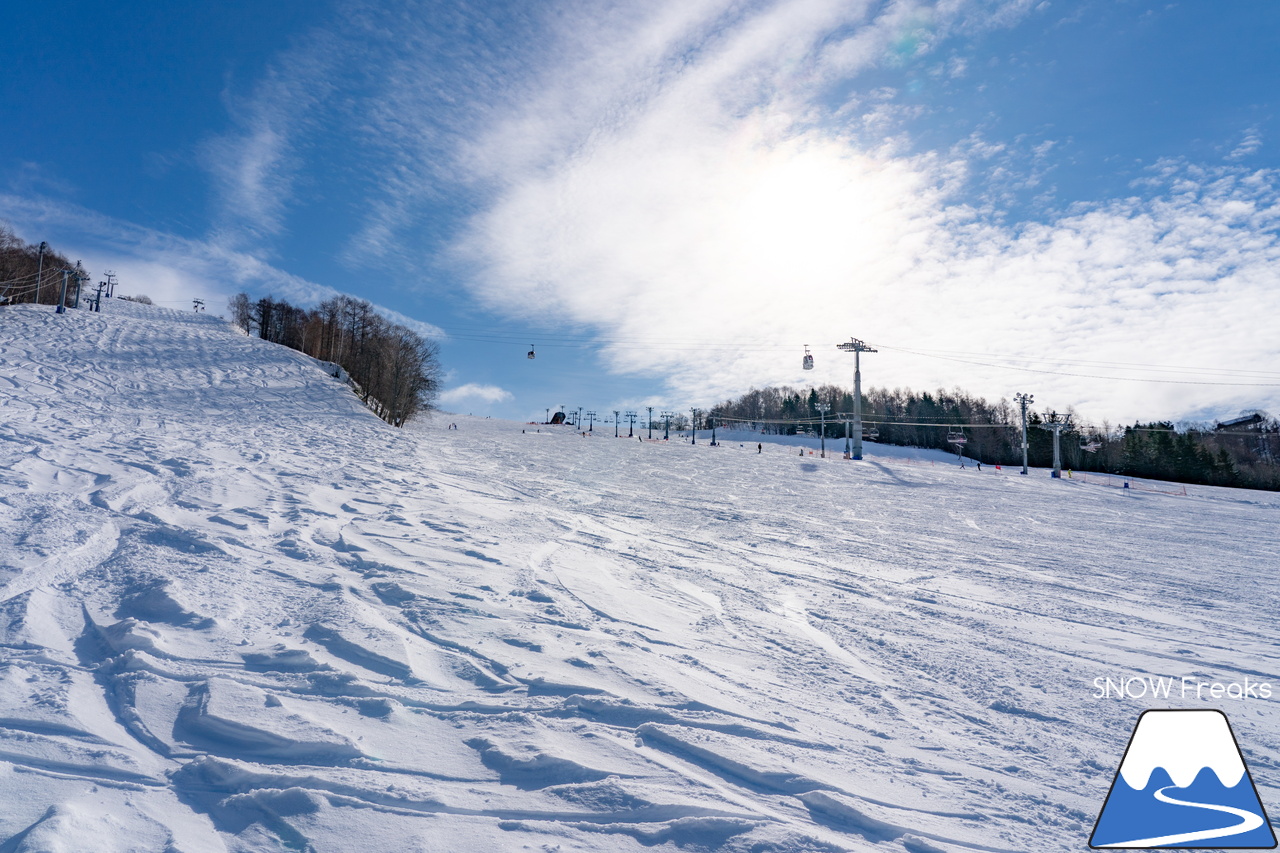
<point x="170" y="270"/>
<point x="368" y="113"/>
<point x="709" y="184"/>
<point x="697" y="205"/>
<point x="251" y="175"/>
<point x="1249" y="144"/>
<point x="254" y="165"/>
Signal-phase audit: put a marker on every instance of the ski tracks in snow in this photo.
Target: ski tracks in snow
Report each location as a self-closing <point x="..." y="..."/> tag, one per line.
<point x="240" y="613"/>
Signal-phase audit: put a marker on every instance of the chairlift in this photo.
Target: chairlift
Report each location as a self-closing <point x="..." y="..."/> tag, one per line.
<point x="1090" y="445"/>
<point x="808" y="359"/>
<point x="955" y="436"/>
<point x="531" y="354"/>
<point x="870" y="433"/>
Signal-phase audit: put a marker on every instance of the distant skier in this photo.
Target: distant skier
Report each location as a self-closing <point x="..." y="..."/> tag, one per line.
<point x="979" y="466"/>
<point x="759" y="448"/>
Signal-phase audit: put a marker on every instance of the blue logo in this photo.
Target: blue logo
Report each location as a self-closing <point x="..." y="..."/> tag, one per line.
<point x="1183" y="784"/>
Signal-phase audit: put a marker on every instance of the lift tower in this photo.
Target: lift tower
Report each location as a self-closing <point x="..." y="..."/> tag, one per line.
<point x="1057" y="423"/>
<point x="856" y="347"/>
<point x="823" y="408"/>
<point x="1024" y="400"/>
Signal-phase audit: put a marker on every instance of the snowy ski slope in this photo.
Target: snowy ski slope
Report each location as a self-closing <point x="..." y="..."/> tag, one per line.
<point x="239" y="613"/>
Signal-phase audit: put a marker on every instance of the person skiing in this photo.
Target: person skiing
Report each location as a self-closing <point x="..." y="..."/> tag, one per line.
<point x="759" y="448"/>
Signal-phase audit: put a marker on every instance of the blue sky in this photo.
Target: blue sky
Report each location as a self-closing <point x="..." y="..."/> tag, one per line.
<point x="670" y="199"/>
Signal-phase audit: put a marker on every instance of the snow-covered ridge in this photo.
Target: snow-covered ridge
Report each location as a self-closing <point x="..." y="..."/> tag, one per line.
<point x="238" y="612"/>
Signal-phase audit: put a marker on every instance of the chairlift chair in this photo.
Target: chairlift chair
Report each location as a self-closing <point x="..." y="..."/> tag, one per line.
<point x="531" y="354"/>
<point x="955" y="436"/>
<point x="870" y="433"/>
<point x="1090" y="445"/>
<point x="808" y="359"/>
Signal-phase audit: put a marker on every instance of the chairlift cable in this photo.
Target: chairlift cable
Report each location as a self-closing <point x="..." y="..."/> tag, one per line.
<point x="1087" y="375"/>
<point x="586" y="340"/>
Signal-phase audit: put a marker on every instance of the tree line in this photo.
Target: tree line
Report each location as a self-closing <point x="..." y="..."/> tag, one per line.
<point x="24" y="278"/>
<point x="1200" y="454"/>
<point x="394" y="370"/>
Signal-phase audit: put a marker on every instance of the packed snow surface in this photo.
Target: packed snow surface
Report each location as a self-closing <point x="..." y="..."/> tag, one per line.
<point x="239" y="613"/>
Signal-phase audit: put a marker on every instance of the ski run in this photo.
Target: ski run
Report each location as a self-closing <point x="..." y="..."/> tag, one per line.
<point x="240" y="613"/>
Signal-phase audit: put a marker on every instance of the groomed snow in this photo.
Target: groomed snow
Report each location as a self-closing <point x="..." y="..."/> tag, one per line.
<point x="239" y="613"/>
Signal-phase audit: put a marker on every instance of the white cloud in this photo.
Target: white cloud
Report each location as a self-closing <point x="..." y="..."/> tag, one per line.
<point x="475" y="391"/>
<point x="705" y="210"/>
<point x="254" y="165"/>
<point x="171" y="270"/>
<point x="1251" y="142"/>
<point x="695" y="181"/>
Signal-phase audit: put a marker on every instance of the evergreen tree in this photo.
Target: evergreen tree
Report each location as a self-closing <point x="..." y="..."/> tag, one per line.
<point x="1155" y="450"/>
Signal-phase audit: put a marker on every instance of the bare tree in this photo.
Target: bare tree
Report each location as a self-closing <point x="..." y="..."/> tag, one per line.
<point x="241" y="312"/>
<point x="23" y="275"/>
<point x="395" y="370"/>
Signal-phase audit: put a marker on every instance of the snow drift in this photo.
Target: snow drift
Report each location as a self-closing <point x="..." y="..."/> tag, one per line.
<point x="239" y="613"/>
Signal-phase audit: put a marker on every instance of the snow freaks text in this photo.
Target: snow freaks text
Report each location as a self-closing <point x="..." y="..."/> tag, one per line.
<point x="1184" y="687"/>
